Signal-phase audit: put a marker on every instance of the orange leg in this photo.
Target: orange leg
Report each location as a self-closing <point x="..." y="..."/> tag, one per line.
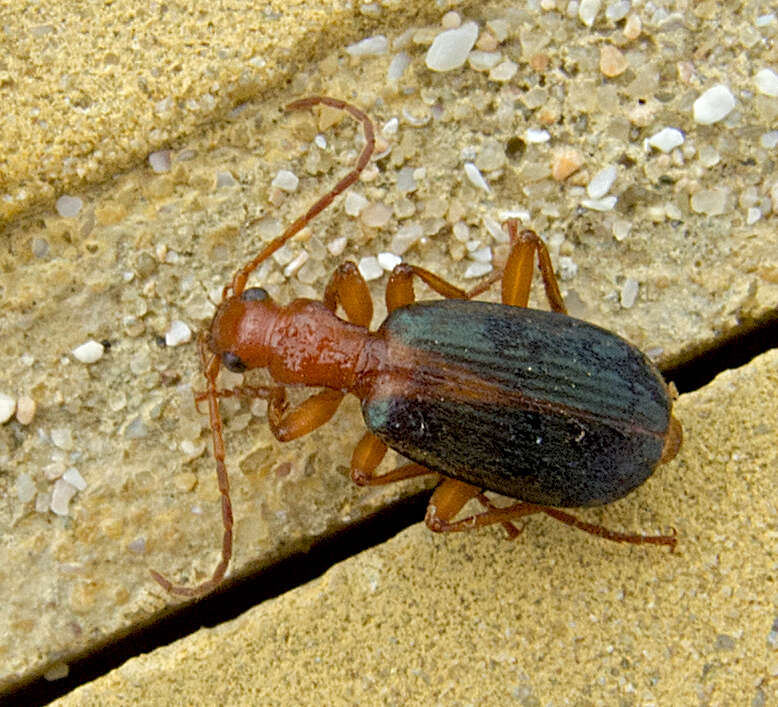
<point x="368" y="454"/>
<point x="451" y="496"/>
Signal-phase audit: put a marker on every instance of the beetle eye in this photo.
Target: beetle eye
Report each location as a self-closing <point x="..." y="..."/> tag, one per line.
<point x="254" y="294"/>
<point x="233" y="362"/>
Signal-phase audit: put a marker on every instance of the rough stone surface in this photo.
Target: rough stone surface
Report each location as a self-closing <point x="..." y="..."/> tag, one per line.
<point x="554" y="617"/>
<point x="146" y="249"/>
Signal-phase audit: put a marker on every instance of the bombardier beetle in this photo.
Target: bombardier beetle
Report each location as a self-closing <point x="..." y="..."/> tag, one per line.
<point x="536" y="405"/>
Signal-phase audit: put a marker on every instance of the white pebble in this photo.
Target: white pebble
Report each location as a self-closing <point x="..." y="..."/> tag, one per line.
<point x="69" y="206"/>
<point x="451" y="20"/>
<point x="61" y="496"/>
<point x="376" y="215"/>
<point x="160" y="161"/>
<point x="296" y="263"/>
<point x="477" y="270"/>
<point x="25" y="487"/>
<point x="601" y="182"/>
<point x="504" y="71"/>
<point x="629" y="292"/>
<point x="765" y="20"/>
<point x="320" y="141"/>
<point x="483" y="61"/>
<point x="406" y="237"/>
<point x="568" y="268"/>
<point x="62" y="437"/>
<point x="178" y="333"/>
<point x="621" y="229"/>
<point x="390" y="126"/>
<point x="7" y="407"/>
<point x="138" y="546"/>
<point x="753" y="215"/>
<point x="42" y="502"/>
<point x="605" y="204"/>
<point x="372" y="46"/>
<point x="666" y="139"/>
<point x="449" y="50"/>
<point x="769" y="140"/>
<point x="588" y="10"/>
<point x="767" y="82"/>
<point x="617" y="10"/>
<point x="89" y="352"/>
<point x="536" y="136"/>
<point x="400" y="62"/>
<point x="369" y="268"/>
<point x="482" y="255"/>
<point x="388" y="261"/>
<point x="337" y="245"/>
<point x="712" y="202"/>
<point x="285" y="180"/>
<point x="713" y="105"/>
<point x="75" y="479"/>
<point x="57" y="672"/>
<point x="355" y="203"/>
<point x="476" y="178"/>
<point x="405" y="181"/>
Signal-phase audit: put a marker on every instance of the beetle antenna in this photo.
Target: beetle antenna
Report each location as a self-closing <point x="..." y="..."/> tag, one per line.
<point x="210" y="364"/>
<point x="238" y="283"/>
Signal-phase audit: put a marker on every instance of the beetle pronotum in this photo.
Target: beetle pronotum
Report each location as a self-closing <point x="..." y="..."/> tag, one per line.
<point x="490" y="397"/>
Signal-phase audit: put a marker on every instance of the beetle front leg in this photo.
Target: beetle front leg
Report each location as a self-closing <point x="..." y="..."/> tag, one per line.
<point x="348" y="289"/>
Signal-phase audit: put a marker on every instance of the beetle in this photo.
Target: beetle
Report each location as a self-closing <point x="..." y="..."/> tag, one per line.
<point x="536" y="405"/>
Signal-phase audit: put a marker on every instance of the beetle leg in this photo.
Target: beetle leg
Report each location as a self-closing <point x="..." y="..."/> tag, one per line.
<point x="449" y="498"/>
<point x="601" y="532"/>
<point x="368" y="454"/>
<point x="399" y="289"/>
<point x="311" y="413"/>
<point x="348" y="289"/>
<point x="517" y="276"/>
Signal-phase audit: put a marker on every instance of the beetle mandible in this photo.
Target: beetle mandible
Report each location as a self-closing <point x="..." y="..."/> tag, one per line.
<point x="530" y="404"/>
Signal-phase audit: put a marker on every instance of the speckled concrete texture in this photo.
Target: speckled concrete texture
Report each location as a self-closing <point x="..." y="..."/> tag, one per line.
<point x="556" y="617"/>
<point x="686" y="255"/>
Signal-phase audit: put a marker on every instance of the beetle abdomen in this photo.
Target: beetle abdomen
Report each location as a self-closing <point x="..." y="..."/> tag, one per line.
<point x="534" y="405"/>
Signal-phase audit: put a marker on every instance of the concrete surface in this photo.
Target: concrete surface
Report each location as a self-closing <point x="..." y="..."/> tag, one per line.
<point x="89" y="96"/>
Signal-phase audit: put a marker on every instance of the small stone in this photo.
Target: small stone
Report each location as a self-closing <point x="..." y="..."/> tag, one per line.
<point x="568" y="268"/>
<point x="369" y="268"/>
<point x="753" y="215"/>
<point x="286" y="180"/>
<point x="483" y="61"/>
<point x="565" y="162"/>
<point x="61" y="496"/>
<point x="617" y="10"/>
<point x="769" y="140"/>
<point x="621" y="229"/>
<point x="476" y="178"/>
<point x="713" y="105"/>
<point x="89" y="352"/>
<point x="160" y="161"/>
<point x="629" y="292"/>
<point x="406" y="237"/>
<point x="533" y="135"/>
<point x="711" y="202"/>
<point x="388" y="261"/>
<point x="612" y="61"/>
<point x="450" y="48"/>
<point x="372" y="46"/>
<point x="633" y="27"/>
<point x="62" y="437"/>
<point x="58" y="671"/>
<point x="178" y="333"/>
<point x="376" y="215"/>
<point x="588" y="11"/>
<point x="477" y="270"/>
<point x="666" y="139"/>
<point x="767" y="82"/>
<point x="7" y="407"/>
<point x="68" y="206"/>
<point x="75" y="479"/>
<point x="601" y="182"/>
<point x="451" y="20"/>
<point x="605" y="204"/>
<point x="354" y="203"/>
<point x="25" y="487"/>
<point x="400" y="62"/>
<point x="504" y="71"/>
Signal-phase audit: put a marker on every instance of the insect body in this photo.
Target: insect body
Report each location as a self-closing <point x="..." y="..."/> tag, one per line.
<point x="490" y="397"/>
